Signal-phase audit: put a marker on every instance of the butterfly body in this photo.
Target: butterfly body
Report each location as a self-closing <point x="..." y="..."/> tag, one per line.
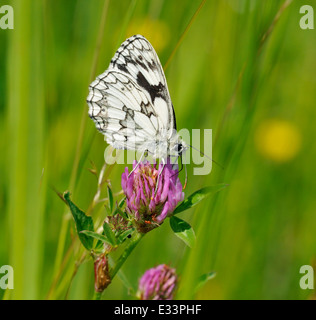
<point x="131" y="105"/>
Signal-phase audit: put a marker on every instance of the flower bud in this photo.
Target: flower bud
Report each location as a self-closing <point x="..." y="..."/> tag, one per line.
<point x="101" y="273"/>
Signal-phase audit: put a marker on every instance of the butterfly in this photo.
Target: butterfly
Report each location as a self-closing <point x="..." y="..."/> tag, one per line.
<point x="131" y="105"/>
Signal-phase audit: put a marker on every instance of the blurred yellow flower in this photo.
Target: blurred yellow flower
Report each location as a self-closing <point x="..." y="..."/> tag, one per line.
<point x="156" y="31"/>
<point x="278" y="140"/>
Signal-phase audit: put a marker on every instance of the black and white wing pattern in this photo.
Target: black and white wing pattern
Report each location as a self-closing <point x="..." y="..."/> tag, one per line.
<point x="130" y="102"/>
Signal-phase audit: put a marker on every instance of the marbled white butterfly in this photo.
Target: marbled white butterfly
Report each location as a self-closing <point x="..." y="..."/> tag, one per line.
<point x="131" y="105"/>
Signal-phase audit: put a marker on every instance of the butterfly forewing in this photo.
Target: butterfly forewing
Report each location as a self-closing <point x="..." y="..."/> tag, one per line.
<point x="130" y="101"/>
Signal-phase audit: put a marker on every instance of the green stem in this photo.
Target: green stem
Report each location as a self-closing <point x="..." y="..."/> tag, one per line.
<point x="74" y="174"/>
<point x="125" y="254"/>
<point x="97" y="295"/>
<point x="128" y="250"/>
<point x="184" y="34"/>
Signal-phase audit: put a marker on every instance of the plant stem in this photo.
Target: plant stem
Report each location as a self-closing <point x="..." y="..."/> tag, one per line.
<point x="133" y="243"/>
<point x="184" y="34"/>
<point x="138" y="236"/>
<point x="97" y="295"/>
<point x="75" y="168"/>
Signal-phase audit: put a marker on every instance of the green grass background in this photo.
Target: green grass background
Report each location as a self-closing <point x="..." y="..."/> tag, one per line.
<point x="238" y="64"/>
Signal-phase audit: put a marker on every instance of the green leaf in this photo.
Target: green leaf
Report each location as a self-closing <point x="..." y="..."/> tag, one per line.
<point x="83" y="222"/>
<point x="98" y="247"/>
<point x="126" y="283"/>
<point x="198" y="196"/>
<point x="183" y="231"/>
<point x="97" y="236"/>
<point x="109" y="234"/>
<point x="111" y="201"/>
<point x="121" y="213"/>
<point x="122" y="237"/>
<point x="119" y="207"/>
<point x="203" y="279"/>
<point x="123" y="278"/>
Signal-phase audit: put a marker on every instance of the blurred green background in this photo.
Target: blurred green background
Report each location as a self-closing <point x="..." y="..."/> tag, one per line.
<point x="243" y="68"/>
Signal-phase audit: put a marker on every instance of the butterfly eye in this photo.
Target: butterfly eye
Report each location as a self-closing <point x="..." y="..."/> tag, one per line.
<point x="179" y="147"/>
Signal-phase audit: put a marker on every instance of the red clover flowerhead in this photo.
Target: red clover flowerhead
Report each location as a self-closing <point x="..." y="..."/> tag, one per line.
<point x="148" y="203"/>
<point x="158" y="283"/>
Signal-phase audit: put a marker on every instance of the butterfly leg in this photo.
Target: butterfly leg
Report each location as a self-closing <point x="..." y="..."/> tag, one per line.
<point x="186" y="177"/>
<point x="185" y="169"/>
<point x="186" y="173"/>
<point x="139" y="161"/>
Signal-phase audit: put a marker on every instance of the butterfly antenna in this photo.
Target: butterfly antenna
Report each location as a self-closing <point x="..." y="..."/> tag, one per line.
<point x="202" y="153"/>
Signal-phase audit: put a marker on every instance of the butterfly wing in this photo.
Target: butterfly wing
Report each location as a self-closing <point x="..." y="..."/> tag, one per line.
<point x="121" y="111"/>
<point x="137" y="58"/>
<point x="130" y="101"/>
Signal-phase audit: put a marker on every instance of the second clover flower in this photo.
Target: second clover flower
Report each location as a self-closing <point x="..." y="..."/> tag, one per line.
<point x="148" y="203"/>
<point x="158" y="283"/>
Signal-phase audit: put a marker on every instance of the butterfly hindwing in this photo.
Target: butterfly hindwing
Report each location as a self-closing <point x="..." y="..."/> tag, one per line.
<point x="121" y="110"/>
